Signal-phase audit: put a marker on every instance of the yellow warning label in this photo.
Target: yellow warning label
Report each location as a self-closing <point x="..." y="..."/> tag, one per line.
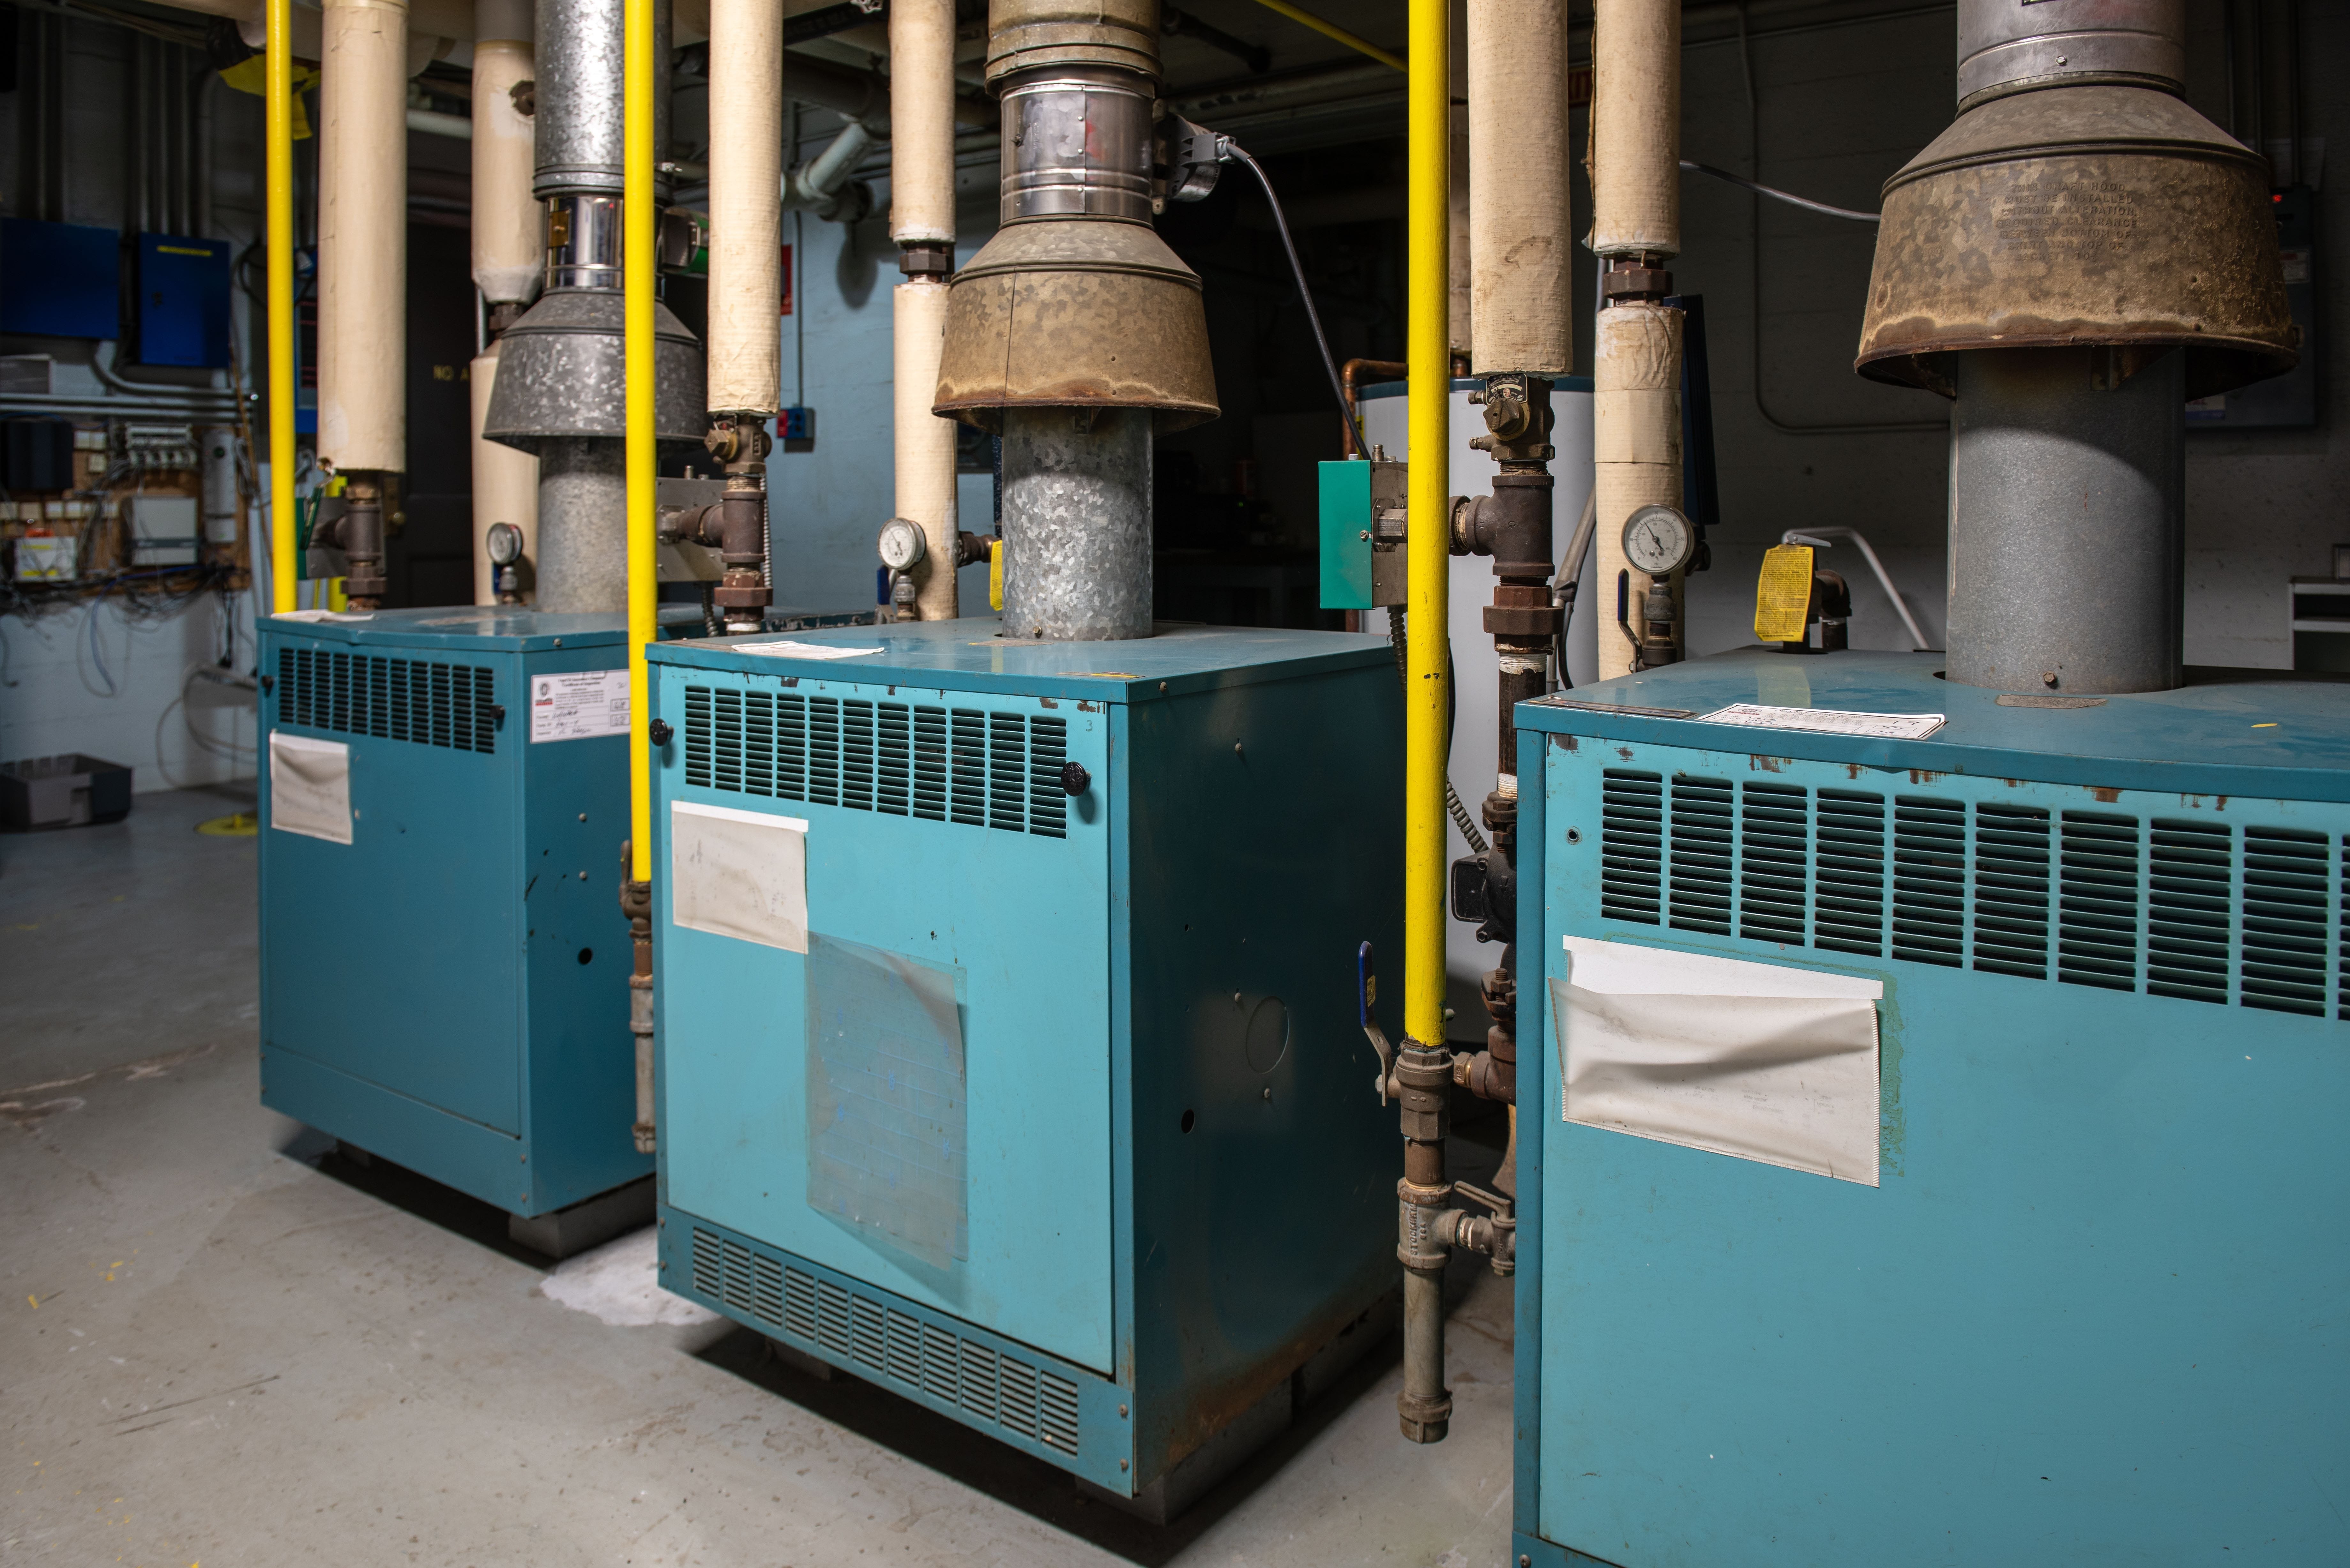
<point x="995" y="575"/>
<point x="1784" y="593"/>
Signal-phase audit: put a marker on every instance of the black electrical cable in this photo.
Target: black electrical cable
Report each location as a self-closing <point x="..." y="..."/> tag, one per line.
<point x="1231" y="148"/>
<point x="1792" y="200"/>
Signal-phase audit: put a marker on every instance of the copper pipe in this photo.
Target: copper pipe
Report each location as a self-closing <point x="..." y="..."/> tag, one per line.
<point x="1391" y="369"/>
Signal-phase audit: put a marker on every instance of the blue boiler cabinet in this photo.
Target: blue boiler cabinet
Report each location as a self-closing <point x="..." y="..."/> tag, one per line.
<point x="2090" y="1311"/>
<point x="444" y="976"/>
<point x="1007" y="1048"/>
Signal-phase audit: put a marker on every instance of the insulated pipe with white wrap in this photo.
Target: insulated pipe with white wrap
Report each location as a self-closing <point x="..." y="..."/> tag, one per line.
<point x="1636" y="408"/>
<point x="922" y="223"/>
<point x="509" y="266"/>
<point x="1520" y="223"/>
<point x="1636" y="127"/>
<point x="746" y="170"/>
<point x="363" y="236"/>
<point x="505" y="482"/>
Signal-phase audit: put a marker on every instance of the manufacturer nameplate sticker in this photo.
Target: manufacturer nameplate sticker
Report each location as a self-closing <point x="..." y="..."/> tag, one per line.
<point x="579" y="706"/>
<point x="1829" y="721"/>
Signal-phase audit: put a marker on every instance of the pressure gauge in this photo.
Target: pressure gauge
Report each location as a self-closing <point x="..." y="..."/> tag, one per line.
<point x="504" y="543"/>
<point x="1658" y="540"/>
<point x="901" y="544"/>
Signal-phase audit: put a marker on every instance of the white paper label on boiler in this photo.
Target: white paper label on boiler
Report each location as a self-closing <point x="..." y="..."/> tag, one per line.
<point x="1763" y="1062"/>
<point x="310" y="787"/>
<point x="739" y="874"/>
<point x="579" y="706"/>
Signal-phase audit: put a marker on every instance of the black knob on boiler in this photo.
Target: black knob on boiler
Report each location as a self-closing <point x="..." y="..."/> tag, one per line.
<point x="1075" y="779"/>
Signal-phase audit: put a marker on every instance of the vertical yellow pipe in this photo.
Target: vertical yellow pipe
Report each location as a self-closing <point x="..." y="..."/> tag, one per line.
<point x="1428" y="354"/>
<point x="279" y="84"/>
<point x="636" y="216"/>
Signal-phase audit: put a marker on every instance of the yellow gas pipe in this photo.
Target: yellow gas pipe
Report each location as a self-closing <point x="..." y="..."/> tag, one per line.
<point x="278" y="84"/>
<point x="1429" y="380"/>
<point x="637" y="273"/>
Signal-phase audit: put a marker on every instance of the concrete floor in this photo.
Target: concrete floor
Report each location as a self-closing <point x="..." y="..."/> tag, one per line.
<point x="222" y="1344"/>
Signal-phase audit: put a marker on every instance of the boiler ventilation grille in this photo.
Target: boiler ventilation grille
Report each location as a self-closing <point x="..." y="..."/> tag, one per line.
<point x="423" y="700"/>
<point x="2197" y="909"/>
<point x="965" y="765"/>
<point x="886" y="1343"/>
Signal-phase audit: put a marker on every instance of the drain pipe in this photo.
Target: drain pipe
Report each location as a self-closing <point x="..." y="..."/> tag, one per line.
<point x="1636" y="229"/>
<point x="561" y="369"/>
<point x="1076" y="333"/>
<point x="509" y="264"/>
<point x="922" y="223"/>
<point x="363" y="274"/>
<point x="746" y="154"/>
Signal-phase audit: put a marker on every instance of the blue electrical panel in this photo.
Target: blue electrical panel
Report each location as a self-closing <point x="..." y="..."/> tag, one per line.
<point x="183" y="310"/>
<point x="2076" y="1304"/>
<point x="444" y="979"/>
<point x="1008" y="1055"/>
<point x="59" y="280"/>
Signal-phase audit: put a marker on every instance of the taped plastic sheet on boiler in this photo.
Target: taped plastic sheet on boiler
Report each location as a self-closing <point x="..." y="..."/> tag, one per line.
<point x="310" y="787"/>
<point x="741" y="874"/>
<point x="1760" y="1061"/>
<point x="887" y="1107"/>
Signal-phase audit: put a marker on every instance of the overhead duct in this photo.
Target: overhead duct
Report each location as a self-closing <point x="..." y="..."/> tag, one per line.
<point x="363" y="273"/>
<point x="1636" y="229"/>
<point x="561" y="393"/>
<point x="1075" y="320"/>
<point x="922" y="223"/>
<point x="2079" y="254"/>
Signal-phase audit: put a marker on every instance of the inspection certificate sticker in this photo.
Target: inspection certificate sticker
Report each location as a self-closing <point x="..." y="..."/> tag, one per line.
<point x="1829" y="721"/>
<point x="579" y="706"/>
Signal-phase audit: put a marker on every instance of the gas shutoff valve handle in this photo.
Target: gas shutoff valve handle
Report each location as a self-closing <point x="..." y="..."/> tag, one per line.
<point x="1366" y="996"/>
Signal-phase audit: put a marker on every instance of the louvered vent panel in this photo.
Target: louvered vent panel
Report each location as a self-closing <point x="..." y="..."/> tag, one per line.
<point x="737" y="1260"/>
<point x="1774" y="857"/>
<point x="893" y="760"/>
<point x="1631" y="847"/>
<point x="799" y="1301"/>
<point x="980" y="769"/>
<point x="941" y="1364"/>
<point x="967" y="764"/>
<point x="832" y="1327"/>
<point x="867" y="1333"/>
<point x="2341" y="931"/>
<point x="1049" y="802"/>
<point x="824" y="750"/>
<point x="1848" y="893"/>
<point x="2098" y="923"/>
<point x="1016" y="1396"/>
<point x="768" y="1288"/>
<point x="759" y="743"/>
<point x="1929" y="879"/>
<point x="452" y="705"/>
<point x="2189" y="905"/>
<point x="1701" y="826"/>
<point x="901" y="1351"/>
<point x="1057" y="1412"/>
<point x="2012" y="890"/>
<point x="2286" y="878"/>
<point x="931" y="764"/>
<point x="709" y="1270"/>
<point x="895" y="1347"/>
<point x="978" y="1380"/>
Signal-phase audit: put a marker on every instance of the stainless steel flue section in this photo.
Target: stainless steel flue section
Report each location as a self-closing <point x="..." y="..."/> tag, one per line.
<point x="2074" y="258"/>
<point x="561" y="391"/>
<point x="1075" y="331"/>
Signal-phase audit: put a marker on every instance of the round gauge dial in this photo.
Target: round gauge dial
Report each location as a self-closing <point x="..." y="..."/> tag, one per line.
<point x="1658" y="540"/>
<point x="504" y="543"/>
<point x="901" y="544"/>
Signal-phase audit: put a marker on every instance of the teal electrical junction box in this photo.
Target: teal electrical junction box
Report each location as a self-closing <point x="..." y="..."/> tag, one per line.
<point x="1362" y="534"/>
<point x="1007" y="1046"/>
<point x="1930" y="1145"/>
